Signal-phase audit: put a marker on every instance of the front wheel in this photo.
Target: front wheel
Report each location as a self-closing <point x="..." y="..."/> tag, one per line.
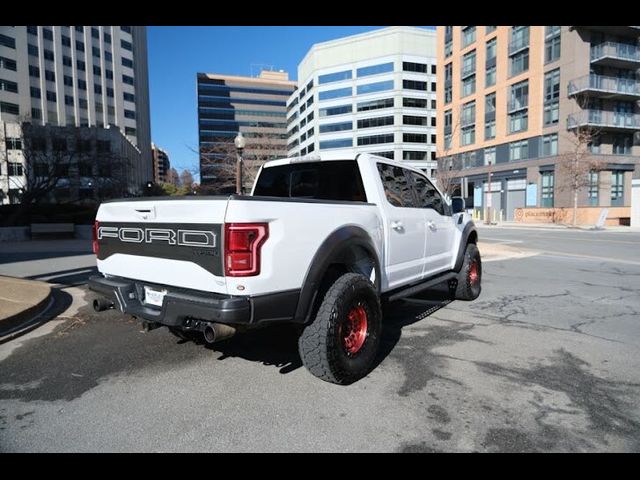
<point x="341" y="343"/>
<point x="470" y="275"/>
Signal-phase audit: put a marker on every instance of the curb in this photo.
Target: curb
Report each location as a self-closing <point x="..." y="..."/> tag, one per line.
<point x="24" y="318"/>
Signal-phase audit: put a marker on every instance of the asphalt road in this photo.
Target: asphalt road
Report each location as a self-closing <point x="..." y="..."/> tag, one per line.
<point x="547" y="359"/>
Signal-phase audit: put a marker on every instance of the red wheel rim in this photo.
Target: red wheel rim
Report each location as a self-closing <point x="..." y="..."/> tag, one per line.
<point x="354" y="330"/>
<point x="473" y="273"/>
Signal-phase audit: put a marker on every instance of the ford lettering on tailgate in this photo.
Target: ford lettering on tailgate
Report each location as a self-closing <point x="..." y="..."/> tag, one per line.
<point x="196" y="243"/>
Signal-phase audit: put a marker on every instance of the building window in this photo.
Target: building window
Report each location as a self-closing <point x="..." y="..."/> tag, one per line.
<point x="336" y="127"/>
<point x="8" y="64"/>
<point x="97" y="70"/>
<point x="107" y="37"/>
<point x="11" y="108"/>
<point x="36" y="92"/>
<point x="593" y="189"/>
<point x="127" y="63"/>
<point x="322" y="79"/>
<point x="127" y="79"/>
<point x="68" y="81"/>
<point x="126" y="45"/>
<point x="468" y="64"/>
<point x="49" y="75"/>
<point x="490" y="129"/>
<point x="468" y="135"/>
<point x="491" y="29"/>
<point x="36" y="113"/>
<point x="32" y="50"/>
<point x="549" y="145"/>
<point x="375" y="122"/>
<point x="126" y="28"/>
<point x="82" y="66"/>
<point x="8" y="86"/>
<point x="13" y="143"/>
<point x="374" y="69"/>
<point x="130" y="131"/>
<point x="468" y="116"/>
<point x="468" y="36"/>
<point x="82" y="84"/>
<point x="108" y="56"/>
<point x="110" y="92"/>
<point x="95" y="51"/>
<point x="79" y="46"/>
<point x="546" y="198"/>
<point x="551" y="44"/>
<point x="66" y="61"/>
<point x="339" y="143"/>
<point x="414" y="120"/>
<point x="594" y="144"/>
<point x="414" y="102"/>
<point x="468" y="86"/>
<point x="518" y="151"/>
<point x="415" y="67"/>
<point x="95" y="33"/>
<point x="617" y="188"/>
<point x="552" y="97"/>
<point x="337" y="93"/>
<point x="15" y="169"/>
<point x="490" y="156"/>
<point x="7" y="41"/>
<point x="622" y="144"/>
<point x="519" y="63"/>
<point x="490" y="76"/>
<point x="492" y="49"/>
<point x="448" y="81"/>
<point x="34" y="71"/>
<point x="414" y="85"/>
<point x="68" y="100"/>
<point x="448" y="41"/>
<point x="413" y="138"/>
<point x="518" y="107"/>
<point x="375" y="87"/>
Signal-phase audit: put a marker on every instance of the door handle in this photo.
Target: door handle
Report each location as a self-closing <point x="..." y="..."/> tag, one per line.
<point x="397" y="226"/>
<point x="431" y="225"/>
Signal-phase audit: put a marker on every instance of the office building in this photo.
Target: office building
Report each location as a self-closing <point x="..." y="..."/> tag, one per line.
<point x="516" y="101"/>
<point x="374" y="92"/>
<point x="161" y="164"/>
<point x="231" y="104"/>
<point x="78" y="76"/>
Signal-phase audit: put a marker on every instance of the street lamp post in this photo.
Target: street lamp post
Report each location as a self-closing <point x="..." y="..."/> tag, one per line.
<point x="488" y="219"/>
<point x="240" y="143"/>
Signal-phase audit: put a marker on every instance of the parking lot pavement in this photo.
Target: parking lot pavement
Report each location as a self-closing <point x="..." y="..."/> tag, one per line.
<point x="547" y="359"/>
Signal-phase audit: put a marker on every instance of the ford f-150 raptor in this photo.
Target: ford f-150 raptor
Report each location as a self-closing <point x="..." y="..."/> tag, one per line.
<point x="320" y="243"/>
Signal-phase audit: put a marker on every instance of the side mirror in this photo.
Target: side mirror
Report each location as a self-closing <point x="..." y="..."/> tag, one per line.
<point x="458" y="204"/>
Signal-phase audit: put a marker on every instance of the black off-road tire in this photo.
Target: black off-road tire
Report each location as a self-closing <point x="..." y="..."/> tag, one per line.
<point x="322" y="345"/>
<point x="469" y="278"/>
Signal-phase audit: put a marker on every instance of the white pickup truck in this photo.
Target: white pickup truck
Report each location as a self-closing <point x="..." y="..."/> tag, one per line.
<point x="318" y="242"/>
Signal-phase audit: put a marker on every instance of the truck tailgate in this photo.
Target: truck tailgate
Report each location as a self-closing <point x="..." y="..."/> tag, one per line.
<point x="166" y="242"/>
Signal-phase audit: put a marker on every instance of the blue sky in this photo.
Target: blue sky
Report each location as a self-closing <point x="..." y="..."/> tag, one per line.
<point x="176" y="54"/>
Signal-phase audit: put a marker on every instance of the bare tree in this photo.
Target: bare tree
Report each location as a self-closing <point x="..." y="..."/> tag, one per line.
<point x="448" y="165"/>
<point x="221" y="161"/>
<point x="576" y="164"/>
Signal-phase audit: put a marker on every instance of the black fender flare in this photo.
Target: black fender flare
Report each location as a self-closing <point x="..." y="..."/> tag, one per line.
<point x="468" y="231"/>
<point x="333" y="247"/>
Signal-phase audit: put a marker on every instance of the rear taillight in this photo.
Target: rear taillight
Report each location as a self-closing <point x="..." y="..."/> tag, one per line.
<point x="242" y="244"/>
<point x="94" y="236"/>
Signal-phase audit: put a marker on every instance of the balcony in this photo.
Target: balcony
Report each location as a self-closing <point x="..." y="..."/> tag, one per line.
<point x="600" y="86"/>
<point x="467" y="120"/>
<point x="615" y="54"/>
<point x="467" y="71"/>
<point x="518" y="44"/>
<point x="629" y="31"/>
<point x="605" y="120"/>
<point x="520" y="103"/>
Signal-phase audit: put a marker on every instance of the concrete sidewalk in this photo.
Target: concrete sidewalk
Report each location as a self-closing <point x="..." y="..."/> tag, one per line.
<point x="21" y="301"/>
<point x="554" y="226"/>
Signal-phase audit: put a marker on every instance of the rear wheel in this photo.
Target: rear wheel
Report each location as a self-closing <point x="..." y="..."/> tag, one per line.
<point x="470" y="275"/>
<point x="341" y="343"/>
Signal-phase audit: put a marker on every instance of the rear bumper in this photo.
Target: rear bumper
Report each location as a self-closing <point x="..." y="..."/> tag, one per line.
<point x="181" y="304"/>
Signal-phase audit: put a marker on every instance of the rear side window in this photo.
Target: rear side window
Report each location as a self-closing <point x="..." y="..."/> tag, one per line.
<point x="396" y="185"/>
<point x="339" y="180"/>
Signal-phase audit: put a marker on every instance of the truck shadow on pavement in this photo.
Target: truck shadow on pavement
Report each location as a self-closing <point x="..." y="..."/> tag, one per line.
<point x="277" y="345"/>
